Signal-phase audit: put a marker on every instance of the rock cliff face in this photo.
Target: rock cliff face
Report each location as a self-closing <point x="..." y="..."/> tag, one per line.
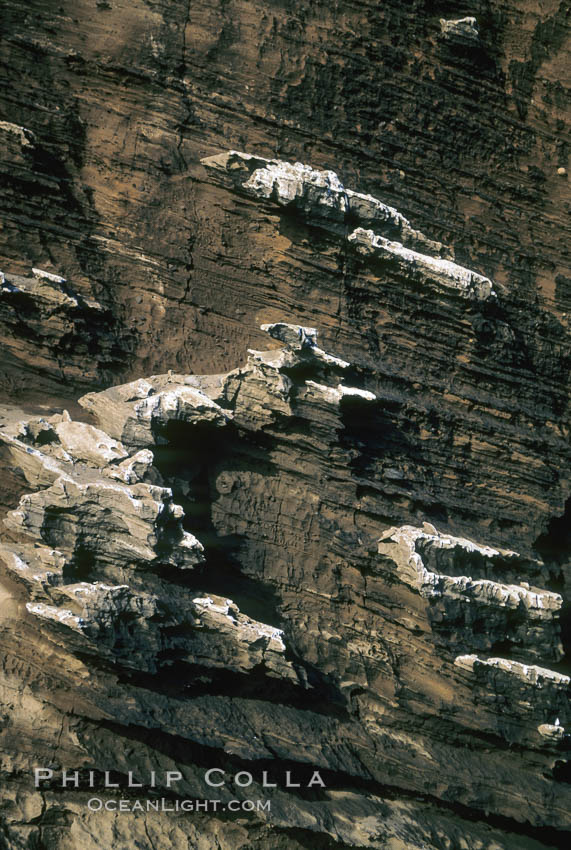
<point x="454" y="113"/>
<point x="338" y="565"/>
<point x="399" y="668"/>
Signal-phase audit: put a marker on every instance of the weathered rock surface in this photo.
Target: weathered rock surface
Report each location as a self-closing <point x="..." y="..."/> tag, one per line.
<point x="87" y="514"/>
<point x="456" y="116"/>
<point x="377" y="651"/>
<point x="46" y="329"/>
<point x="404" y="189"/>
<point x="136" y="412"/>
<point x="319" y="196"/>
<point x="483" y="611"/>
<point x="463" y="30"/>
<point x="443" y="272"/>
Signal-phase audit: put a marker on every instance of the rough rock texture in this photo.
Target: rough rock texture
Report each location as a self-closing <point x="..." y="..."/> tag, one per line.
<point x="49" y="331"/>
<point x="374" y="666"/>
<point x="355" y="562"/>
<point x="461" y="31"/>
<point x="468" y="608"/>
<point x="108" y="106"/>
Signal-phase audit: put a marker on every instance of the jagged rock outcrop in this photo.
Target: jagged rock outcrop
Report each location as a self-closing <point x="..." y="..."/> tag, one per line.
<point x="319" y="196"/>
<point x="157" y="401"/>
<point x="469" y="607"/>
<point x="461" y="31"/>
<point x="404" y="189"/>
<point x="82" y="511"/>
<point x="443" y="272"/>
<point x="47" y="329"/>
<point x="108" y="531"/>
<point x="453" y="116"/>
<point x="377" y="651"/>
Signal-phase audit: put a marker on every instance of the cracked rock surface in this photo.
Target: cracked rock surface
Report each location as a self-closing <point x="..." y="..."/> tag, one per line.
<point x="218" y="594"/>
<point x="306" y="267"/>
<point x="452" y="118"/>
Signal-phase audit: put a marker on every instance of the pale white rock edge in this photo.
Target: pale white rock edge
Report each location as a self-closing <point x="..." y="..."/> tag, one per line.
<point x="128" y="615"/>
<point x="383" y="232"/>
<point x="469" y="284"/>
<point x="461" y="29"/>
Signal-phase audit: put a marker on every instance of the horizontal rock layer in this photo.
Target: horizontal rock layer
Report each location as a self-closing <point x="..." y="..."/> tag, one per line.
<point x="307" y="633"/>
<point x="454" y="116"/>
<point x="404" y="189"/>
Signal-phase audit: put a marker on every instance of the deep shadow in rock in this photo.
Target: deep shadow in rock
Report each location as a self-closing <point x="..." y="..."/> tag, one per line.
<point x="554" y="547"/>
<point x="190" y="464"/>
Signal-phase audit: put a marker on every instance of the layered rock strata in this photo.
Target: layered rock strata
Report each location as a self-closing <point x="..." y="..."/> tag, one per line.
<point x="485" y="390"/>
<point x="450" y="124"/>
<point x="377" y="664"/>
<point x="48" y="329"/>
<point x="319" y="196"/>
<point x="457" y="116"/>
<point x="483" y="376"/>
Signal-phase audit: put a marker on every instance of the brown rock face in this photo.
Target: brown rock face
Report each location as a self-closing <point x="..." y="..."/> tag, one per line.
<point x="399" y="669"/>
<point x="120" y="100"/>
<point x="349" y="556"/>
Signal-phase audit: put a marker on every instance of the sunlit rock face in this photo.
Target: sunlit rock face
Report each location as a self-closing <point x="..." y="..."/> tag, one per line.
<point x="216" y="574"/>
<point x="306" y="269"/>
<point x="453" y="115"/>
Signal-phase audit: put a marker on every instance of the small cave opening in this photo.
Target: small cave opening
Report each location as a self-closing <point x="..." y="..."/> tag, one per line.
<point x="185" y="462"/>
<point x="554" y="545"/>
<point x="81" y="568"/>
<point x="561" y="771"/>
<point x="371" y="431"/>
<point x="190" y="461"/>
<point x="554" y="548"/>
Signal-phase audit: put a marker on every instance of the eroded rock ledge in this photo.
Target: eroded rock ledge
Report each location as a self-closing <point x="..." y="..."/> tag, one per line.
<point x="47" y="328"/>
<point x="382" y="231"/>
<point x="377" y="658"/>
<point x="470" y="601"/>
